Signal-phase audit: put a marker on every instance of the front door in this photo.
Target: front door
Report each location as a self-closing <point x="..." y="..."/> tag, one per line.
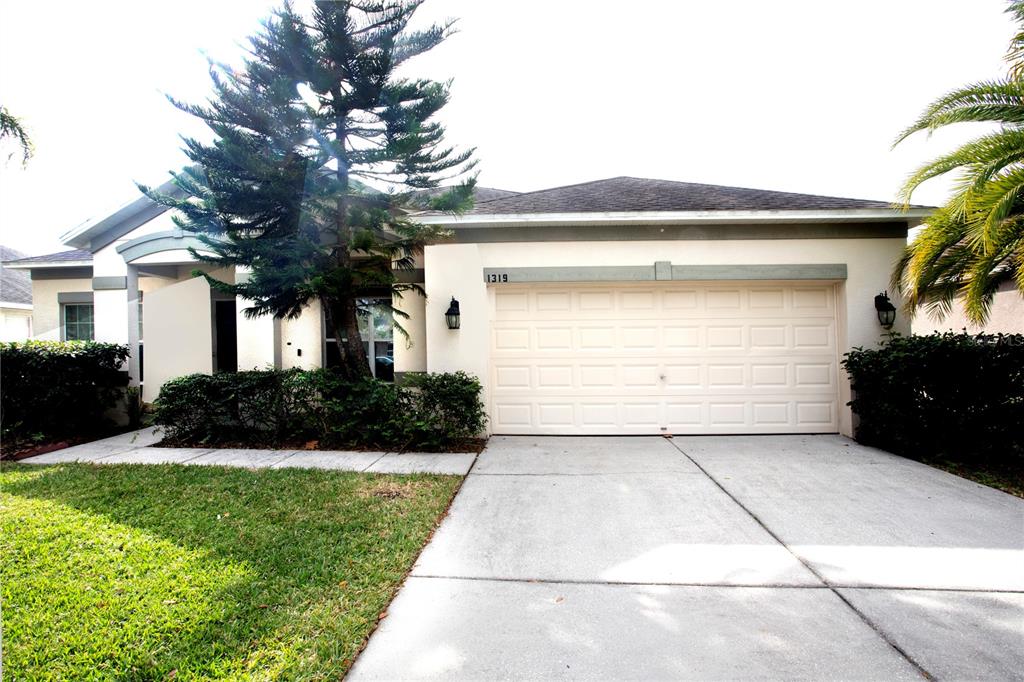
<point x="225" y="348"/>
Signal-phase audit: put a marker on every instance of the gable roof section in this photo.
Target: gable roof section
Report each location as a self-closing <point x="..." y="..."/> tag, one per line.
<point x="642" y="194"/>
<point x="15" y="285"/>
<point x="95" y="234"/>
<point x="640" y="200"/>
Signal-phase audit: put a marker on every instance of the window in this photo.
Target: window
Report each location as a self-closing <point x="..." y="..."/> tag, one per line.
<point x="141" y="369"/>
<point x="376" y="328"/>
<point x="78" y="322"/>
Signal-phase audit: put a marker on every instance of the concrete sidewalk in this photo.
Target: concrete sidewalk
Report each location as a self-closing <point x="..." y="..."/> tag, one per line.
<point x="136" y="447"/>
<point x="796" y="557"/>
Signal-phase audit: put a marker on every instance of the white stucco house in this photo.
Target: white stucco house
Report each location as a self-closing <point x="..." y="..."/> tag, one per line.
<point x="621" y="306"/>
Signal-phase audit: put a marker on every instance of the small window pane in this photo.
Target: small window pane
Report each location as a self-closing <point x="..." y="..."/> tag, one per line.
<point x="78" y="324"/>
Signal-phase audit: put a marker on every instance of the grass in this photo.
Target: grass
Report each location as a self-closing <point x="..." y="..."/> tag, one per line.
<point x="170" y="572"/>
<point x="1008" y="479"/>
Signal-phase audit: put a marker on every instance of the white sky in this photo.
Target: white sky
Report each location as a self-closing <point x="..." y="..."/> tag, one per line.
<point x="786" y="95"/>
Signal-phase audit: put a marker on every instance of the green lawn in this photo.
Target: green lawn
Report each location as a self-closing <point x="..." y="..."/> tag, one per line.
<point x="175" y="572"/>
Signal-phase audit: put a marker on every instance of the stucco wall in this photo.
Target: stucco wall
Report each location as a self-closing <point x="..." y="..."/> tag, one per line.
<point x="178" y="334"/>
<point x="411" y="353"/>
<point x="302" y="339"/>
<point x="46" y="309"/>
<point x="1007" y="316"/>
<point x="255" y="338"/>
<point x="456" y="270"/>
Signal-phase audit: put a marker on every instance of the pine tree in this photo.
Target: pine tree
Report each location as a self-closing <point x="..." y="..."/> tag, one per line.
<point x="318" y="146"/>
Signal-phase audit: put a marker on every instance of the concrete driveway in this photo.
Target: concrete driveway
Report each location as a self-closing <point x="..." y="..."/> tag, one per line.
<point x="710" y="558"/>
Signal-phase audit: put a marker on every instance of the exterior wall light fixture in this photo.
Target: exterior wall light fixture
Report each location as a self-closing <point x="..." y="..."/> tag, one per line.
<point x="452" y="317"/>
<point x="885" y="309"/>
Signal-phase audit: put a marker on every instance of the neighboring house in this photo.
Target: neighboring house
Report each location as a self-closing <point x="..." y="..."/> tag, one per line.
<point x="15" y="299"/>
<point x="618" y="306"/>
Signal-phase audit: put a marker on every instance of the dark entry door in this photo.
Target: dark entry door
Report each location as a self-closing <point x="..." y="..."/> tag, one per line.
<point x="226" y="337"/>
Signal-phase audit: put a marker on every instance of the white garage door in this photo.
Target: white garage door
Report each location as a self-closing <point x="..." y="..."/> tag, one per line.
<point x="676" y="357"/>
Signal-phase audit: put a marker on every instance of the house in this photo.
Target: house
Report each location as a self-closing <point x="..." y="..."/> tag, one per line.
<point x="15" y="299"/>
<point x="626" y="305"/>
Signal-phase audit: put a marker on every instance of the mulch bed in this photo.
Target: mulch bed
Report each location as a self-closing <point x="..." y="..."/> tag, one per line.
<point x="23" y="450"/>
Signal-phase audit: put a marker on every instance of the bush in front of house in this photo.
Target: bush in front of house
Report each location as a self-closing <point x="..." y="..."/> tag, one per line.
<point x="951" y="396"/>
<point x="270" y="408"/>
<point x="52" y="389"/>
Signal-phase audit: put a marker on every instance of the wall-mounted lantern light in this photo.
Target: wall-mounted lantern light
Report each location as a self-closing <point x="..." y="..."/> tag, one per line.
<point x="885" y="309"/>
<point x="452" y="316"/>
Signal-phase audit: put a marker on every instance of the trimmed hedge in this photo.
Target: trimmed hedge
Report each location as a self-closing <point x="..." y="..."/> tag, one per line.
<point x="951" y="396"/>
<point x="280" y="407"/>
<point x="58" y="388"/>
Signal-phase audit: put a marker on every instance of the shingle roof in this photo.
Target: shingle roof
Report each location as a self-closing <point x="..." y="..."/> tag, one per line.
<point x="15" y="285"/>
<point x="72" y="256"/>
<point x="480" y="194"/>
<point x="642" y="194"/>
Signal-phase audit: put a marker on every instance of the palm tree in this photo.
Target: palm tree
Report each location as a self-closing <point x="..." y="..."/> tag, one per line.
<point x="11" y="126"/>
<point x="975" y="242"/>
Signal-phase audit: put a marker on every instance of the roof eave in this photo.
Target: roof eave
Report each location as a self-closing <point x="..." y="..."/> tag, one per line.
<point x="912" y="217"/>
<point x="39" y="265"/>
<point x="85" y="236"/>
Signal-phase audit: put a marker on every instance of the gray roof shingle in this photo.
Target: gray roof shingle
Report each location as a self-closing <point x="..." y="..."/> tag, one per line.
<point x="15" y="285"/>
<point x="642" y="194"/>
<point x="72" y="256"/>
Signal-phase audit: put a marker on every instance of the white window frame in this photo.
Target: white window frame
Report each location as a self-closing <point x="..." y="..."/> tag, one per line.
<point x="370" y="344"/>
<point x="64" y="321"/>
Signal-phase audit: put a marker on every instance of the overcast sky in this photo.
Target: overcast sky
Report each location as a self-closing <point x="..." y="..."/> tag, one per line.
<point x="785" y="95"/>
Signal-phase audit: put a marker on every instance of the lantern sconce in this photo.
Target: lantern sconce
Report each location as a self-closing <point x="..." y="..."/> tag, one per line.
<point x="452" y="317"/>
<point x="885" y="309"/>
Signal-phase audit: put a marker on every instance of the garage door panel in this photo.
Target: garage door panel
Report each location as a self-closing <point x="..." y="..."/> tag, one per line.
<point x="701" y="358"/>
<point x="628" y="375"/>
<point x="713" y="302"/>
<point x="623" y="335"/>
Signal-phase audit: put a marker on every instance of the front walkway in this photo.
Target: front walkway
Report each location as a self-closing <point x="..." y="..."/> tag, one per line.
<point x="137" y="448"/>
<point x="710" y="558"/>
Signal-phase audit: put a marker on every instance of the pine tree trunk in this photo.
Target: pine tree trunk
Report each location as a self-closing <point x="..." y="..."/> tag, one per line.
<point x="345" y="323"/>
<point x="344" y="314"/>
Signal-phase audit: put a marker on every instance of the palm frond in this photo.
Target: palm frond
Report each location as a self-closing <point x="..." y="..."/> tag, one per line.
<point x="999" y="101"/>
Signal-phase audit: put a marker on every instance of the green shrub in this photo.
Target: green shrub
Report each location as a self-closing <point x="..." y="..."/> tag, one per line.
<point x="285" y="407"/>
<point x="58" y="388"/>
<point x="950" y="396"/>
<point x="447" y="408"/>
<point x="195" y="409"/>
<point x="368" y="413"/>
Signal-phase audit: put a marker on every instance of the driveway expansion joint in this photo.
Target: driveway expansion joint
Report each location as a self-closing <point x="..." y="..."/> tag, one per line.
<point x="617" y="583"/>
<point x="201" y="454"/>
<point x="659" y="583"/>
<point x="594" y="475"/>
<point x="835" y="590"/>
